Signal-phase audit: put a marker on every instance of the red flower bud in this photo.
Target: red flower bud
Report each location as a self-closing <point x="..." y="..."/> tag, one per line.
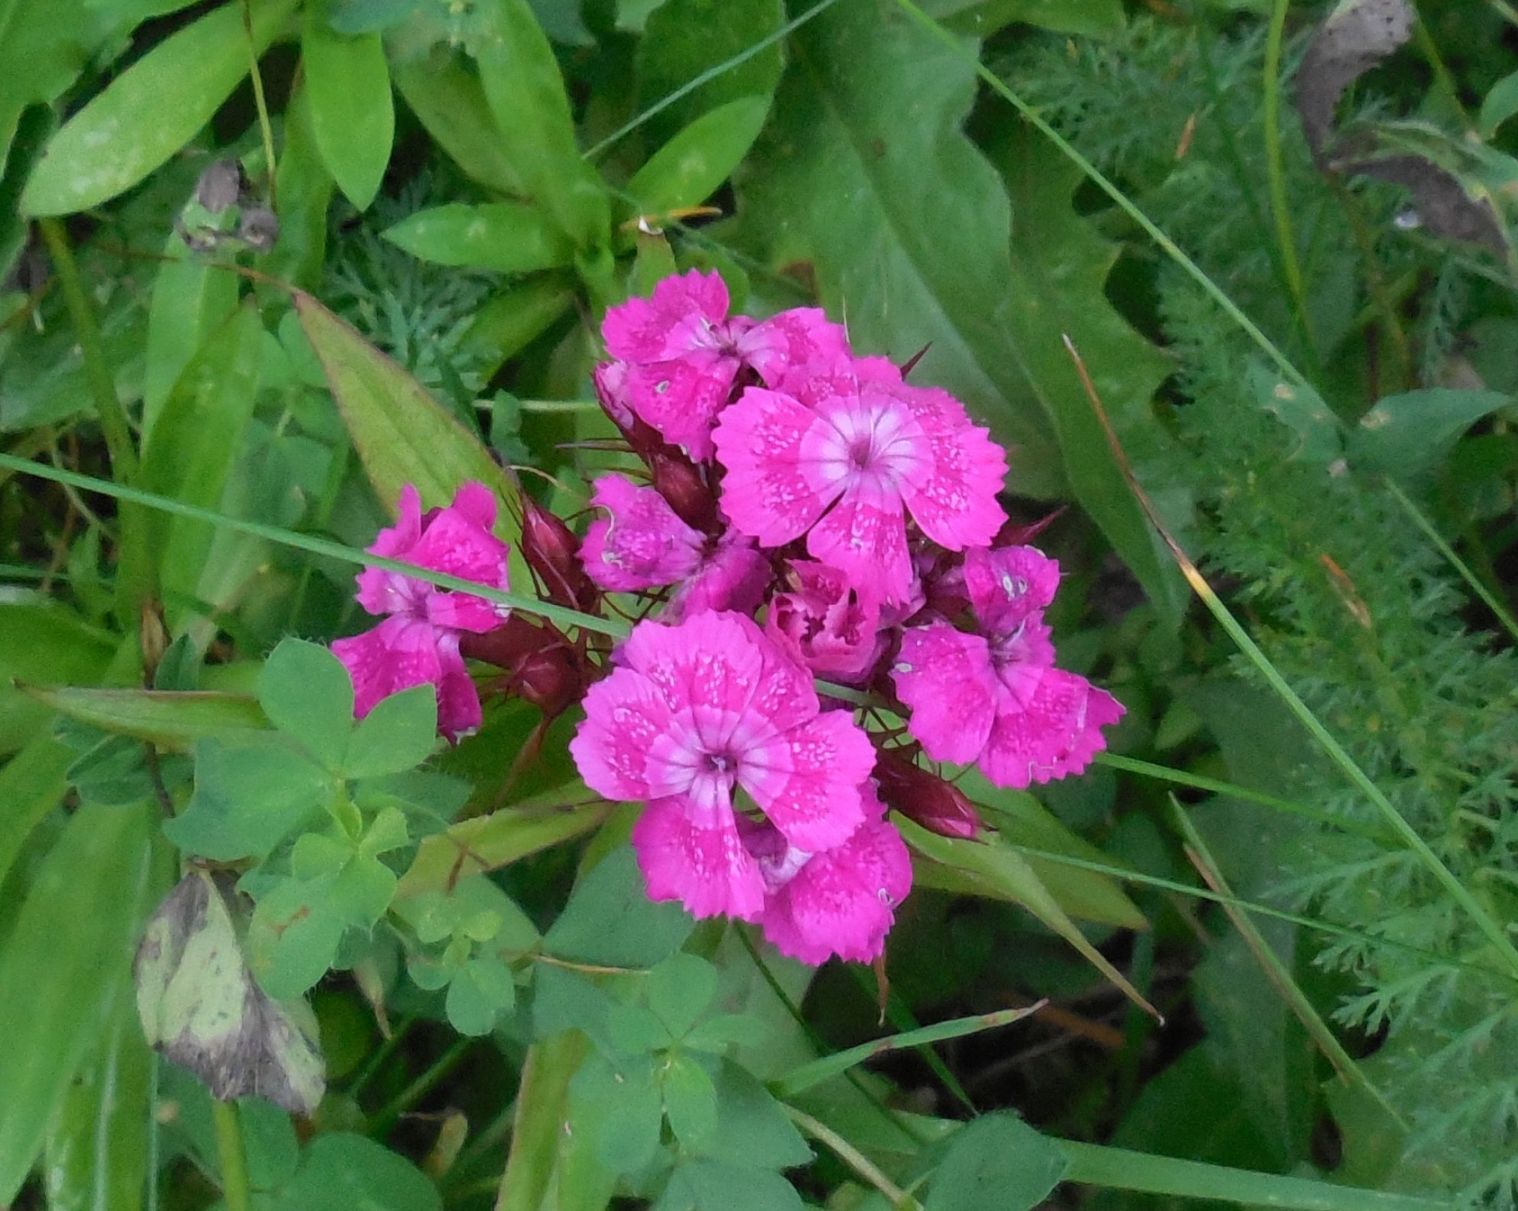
<point x="551" y="551"/>
<point x="542" y="666"/>
<point x="939" y="806"/>
<point x="678" y="481"/>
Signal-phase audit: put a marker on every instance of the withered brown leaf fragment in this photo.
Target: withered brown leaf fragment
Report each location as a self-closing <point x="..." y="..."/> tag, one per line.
<point x="201" y="1007"/>
<point x="1357" y="35"/>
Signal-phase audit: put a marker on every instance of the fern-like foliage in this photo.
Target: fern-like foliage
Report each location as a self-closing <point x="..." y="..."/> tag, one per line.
<point x="1350" y="601"/>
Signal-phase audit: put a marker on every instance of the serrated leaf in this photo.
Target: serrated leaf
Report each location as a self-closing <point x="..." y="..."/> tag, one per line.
<point x="63" y="963"/>
<point x="692" y="166"/>
<point x="307" y="694"/>
<point x="905" y="225"/>
<point x="506" y="237"/>
<point x="149" y="111"/>
<point x="352" y="117"/>
<point x="248" y="798"/>
<point x="401" y="434"/>
<point x="996" y="1160"/>
<point x="397" y="735"/>
<point x="526" y="94"/>
<point x="199" y="1005"/>
<point x="610" y="920"/>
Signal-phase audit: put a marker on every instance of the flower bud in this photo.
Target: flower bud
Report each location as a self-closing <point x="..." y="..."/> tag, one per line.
<point x="678" y="481"/>
<point x="552" y="552"/>
<point x="924" y="797"/>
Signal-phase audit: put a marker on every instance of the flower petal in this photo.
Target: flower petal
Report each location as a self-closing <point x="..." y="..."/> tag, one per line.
<point x="865" y="537"/>
<point x="789" y="339"/>
<point x="1009" y="584"/>
<point x="1056" y="734"/>
<point x="708" y="870"/>
<point x="945" y="678"/>
<point x="682" y="398"/>
<point x="808" y="780"/>
<point x="953" y="496"/>
<point x="671" y="323"/>
<point x="624" y="716"/>
<point x="641" y="544"/>
<point x="767" y="491"/>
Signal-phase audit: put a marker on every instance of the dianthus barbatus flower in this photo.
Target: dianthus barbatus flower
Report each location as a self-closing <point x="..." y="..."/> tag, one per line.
<point x="829" y="623"/>
<point x="996" y="698"/>
<point x="854" y="433"/>
<point x="418" y="644"/>
<point x="642" y="544"/>
<point x="693" y="713"/>
<point x="839" y="902"/>
<point x="681" y="353"/>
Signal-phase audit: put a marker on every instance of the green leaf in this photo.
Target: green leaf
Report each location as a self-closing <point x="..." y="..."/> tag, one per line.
<point x="703" y="1185"/>
<point x="63" y="965"/>
<point x="31" y="785"/>
<point x="342" y="1172"/>
<point x="304" y="187"/>
<point x="509" y="321"/>
<point x="196" y="441"/>
<point x="1004" y="873"/>
<point x="199" y="1005"/>
<point x="170" y="719"/>
<point x="997" y="1160"/>
<point x="490" y="842"/>
<point x="685" y="38"/>
<point x="1058" y="288"/>
<point x="610" y="920"/>
<point x="679" y="990"/>
<point x="506" y="237"/>
<point x="42" y="50"/>
<point x="248" y="798"/>
<point x="401" y="434"/>
<point x="307" y="694"/>
<point x="905" y="224"/>
<point x="449" y="101"/>
<point x="397" y="735"/>
<point x="982" y="18"/>
<point x="1409" y="436"/>
<point x="692" y="166"/>
<point x="348" y="88"/>
<point x="297" y="928"/>
<point x="191" y="299"/>
<point x="150" y="110"/>
<point x="97" y="1148"/>
<point x="1319" y="437"/>
<point x="690" y="1101"/>
<point x="42" y="641"/>
<point x="752" y="1124"/>
<point x="1499" y="104"/>
<point x="526" y="94"/>
<point x="618" y="1105"/>
<point x="479" y="994"/>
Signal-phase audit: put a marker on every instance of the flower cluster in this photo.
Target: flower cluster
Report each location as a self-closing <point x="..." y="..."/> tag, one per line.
<point x="800" y="513"/>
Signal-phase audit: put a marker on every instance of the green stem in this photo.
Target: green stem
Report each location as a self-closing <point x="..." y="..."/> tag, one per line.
<point x="260" y="103"/>
<point x="381" y="1123"/>
<point x="230" y="1153"/>
<point x="97" y="371"/>
<point x="1275" y="169"/>
<point x="1165" y="773"/>
<point x="853" y="1158"/>
<point x="1123" y="1169"/>
<point x="1477" y="584"/>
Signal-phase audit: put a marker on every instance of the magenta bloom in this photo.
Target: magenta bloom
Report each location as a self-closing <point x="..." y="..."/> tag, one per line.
<point x="683" y="354"/>
<point x="640" y="543"/>
<point x="643" y="544"/>
<point x="418" y="644"/>
<point x="695" y="712"/>
<point x="858" y="439"/>
<point x="996" y="698"/>
<point x="829" y="624"/>
<point x="839" y="902"/>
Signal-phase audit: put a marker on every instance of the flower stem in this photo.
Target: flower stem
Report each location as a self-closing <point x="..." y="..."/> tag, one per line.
<point x="853" y="1158"/>
<point x="230" y="1153"/>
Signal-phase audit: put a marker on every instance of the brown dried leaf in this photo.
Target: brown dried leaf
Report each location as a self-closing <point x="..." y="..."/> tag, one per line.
<point x="1357" y="35"/>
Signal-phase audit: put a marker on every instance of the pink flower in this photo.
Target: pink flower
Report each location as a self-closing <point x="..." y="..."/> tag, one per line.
<point x="830" y="625"/>
<point x="693" y="713"/>
<point x="683" y="354"/>
<point x="855" y="434"/>
<point x="996" y="698"/>
<point x="643" y="544"/>
<point x="841" y="901"/>
<point x="418" y="644"/>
